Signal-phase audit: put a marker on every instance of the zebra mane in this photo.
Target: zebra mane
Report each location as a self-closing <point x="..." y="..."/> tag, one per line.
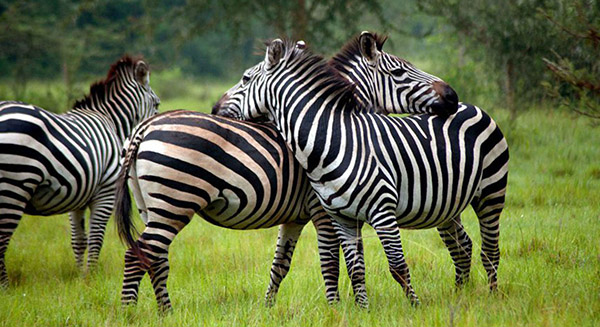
<point x="99" y="88"/>
<point x="328" y="73"/>
<point x="351" y="50"/>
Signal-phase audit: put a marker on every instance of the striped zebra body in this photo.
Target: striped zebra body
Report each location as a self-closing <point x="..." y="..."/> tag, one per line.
<point x="414" y="172"/>
<point x="52" y="164"/>
<point x="379" y="76"/>
<point x="235" y="174"/>
<point x="191" y="145"/>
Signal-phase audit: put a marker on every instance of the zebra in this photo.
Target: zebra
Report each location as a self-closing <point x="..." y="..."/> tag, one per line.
<point x="184" y="147"/>
<point x="57" y="163"/>
<point x="414" y="172"/>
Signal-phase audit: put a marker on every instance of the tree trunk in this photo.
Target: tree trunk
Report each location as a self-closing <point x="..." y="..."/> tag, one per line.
<point x="300" y="19"/>
<point x="510" y="89"/>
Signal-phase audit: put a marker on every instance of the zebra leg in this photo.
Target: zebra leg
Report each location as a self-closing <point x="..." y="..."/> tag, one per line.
<point x="286" y="243"/>
<point x="12" y="205"/>
<point x="100" y="212"/>
<point x="389" y="234"/>
<point x="329" y="254"/>
<point x="488" y="213"/>
<point x="78" y="237"/>
<point x="133" y="273"/>
<point x="350" y="234"/>
<point x="460" y="246"/>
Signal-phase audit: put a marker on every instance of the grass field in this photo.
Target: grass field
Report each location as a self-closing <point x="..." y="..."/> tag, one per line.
<point x="549" y="272"/>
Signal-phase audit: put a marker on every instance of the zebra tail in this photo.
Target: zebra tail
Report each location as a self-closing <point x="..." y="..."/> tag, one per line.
<point x="126" y="229"/>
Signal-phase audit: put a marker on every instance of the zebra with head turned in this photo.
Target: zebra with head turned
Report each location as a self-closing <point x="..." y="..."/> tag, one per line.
<point x="235" y="174"/>
<point x="52" y="164"/>
<point x="375" y="72"/>
<point x="412" y="172"/>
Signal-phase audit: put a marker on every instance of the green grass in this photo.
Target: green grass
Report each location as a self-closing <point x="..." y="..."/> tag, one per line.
<point x="549" y="272"/>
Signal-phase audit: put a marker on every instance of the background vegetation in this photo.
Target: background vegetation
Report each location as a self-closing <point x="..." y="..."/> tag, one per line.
<point x="533" y="65"/>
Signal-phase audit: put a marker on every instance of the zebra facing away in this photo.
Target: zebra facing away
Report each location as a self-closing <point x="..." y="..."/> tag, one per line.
<point x="237" y="175"/>
<point x="52" y="164"/>
<point x="413" y="172"/>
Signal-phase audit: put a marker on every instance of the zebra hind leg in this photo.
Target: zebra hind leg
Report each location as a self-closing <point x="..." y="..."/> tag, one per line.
<point x="329" y="254"/>
<point x="350" y="234"/>
<point x="78" y="237"/>
<point x="389" y="234"/>
<point x="133" y="273"/>
<point x="488" y="212"/>
<point x="286" y="243"/>
<point x="460" y="246"/>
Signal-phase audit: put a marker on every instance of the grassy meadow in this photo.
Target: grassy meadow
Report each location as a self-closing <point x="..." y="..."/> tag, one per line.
<point x="549" y="271"/>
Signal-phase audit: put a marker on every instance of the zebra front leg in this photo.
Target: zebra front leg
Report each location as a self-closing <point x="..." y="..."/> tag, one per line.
<point x="329" y="254"/>
<point x="12" y="206"/>
<point x="78" y="237"/>
<point x="460" y="246"/>
<point x="389" y="234"/>
<point x="350" y="234"/>
<point x="100" y="212"/>
<point x="286" y="243"/>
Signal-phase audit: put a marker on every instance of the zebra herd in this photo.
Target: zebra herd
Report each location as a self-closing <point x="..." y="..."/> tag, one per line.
<point x="328" y="153"/>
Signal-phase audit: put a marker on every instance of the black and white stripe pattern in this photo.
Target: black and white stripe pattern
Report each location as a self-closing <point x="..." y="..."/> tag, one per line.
<point x="220" y="146"/>
<point x="52" y="164"/>
<point x="391" y="84"/>
<point x="235" y="174"/>
<point x="414" y="172"/>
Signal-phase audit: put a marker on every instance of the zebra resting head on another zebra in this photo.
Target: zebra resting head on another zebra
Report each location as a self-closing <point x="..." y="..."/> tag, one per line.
<point x="52" y="164"/>
<point x="434" y="168"/>
<point x="384" y="82"/>
<point x="391" y="84"/>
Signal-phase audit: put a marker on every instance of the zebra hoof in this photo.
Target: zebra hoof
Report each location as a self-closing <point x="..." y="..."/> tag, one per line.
<point x="269" y="301"/>
<point x="335" y="299"/>
<point x="165" y="310"/>
<point x="414" y="301"/>
<point x="362" y="303"/>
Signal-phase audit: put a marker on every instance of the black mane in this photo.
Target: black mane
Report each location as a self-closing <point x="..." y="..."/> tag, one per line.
<point x="329" y="74"/>
<point x="99" y="89"/>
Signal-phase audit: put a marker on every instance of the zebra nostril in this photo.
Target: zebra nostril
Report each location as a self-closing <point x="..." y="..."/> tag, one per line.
<point x="450" y="96"/>
<point x="448" y="104"/>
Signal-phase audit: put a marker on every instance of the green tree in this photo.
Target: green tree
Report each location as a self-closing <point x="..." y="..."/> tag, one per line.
<point x="576" y="68"/>
<point x="513" y="36"/>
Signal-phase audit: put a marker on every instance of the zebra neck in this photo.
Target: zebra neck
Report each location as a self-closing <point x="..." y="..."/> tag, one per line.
<point x="117" y="118"/>
<point x="317" y="124"/>
<point x="358" y="74"/>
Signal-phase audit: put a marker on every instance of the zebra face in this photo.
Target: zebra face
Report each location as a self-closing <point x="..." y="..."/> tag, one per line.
<point x="252" y="83"/>
<point x="231" y="103"/>
<point x="149" y="100"/>
<point x="391" y="84"/>
<point x="248" y="100"/>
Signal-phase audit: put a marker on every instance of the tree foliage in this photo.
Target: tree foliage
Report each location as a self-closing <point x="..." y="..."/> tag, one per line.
<point x="576" y="71"/>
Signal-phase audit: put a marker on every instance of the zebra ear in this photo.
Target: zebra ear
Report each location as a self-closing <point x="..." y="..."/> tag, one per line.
<point x="141" y="73"/>
<point x="301" y="45"/>
<point x="274" y="53"/>
<point x="368" y="46"/>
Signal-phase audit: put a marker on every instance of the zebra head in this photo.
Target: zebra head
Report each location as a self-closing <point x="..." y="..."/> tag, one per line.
<point x="253" y="96"/>
<point x="390" y="84"/>
<point x="149" y="101"/>
<point x="125" y="95"/>
<point x="230" y="104"/>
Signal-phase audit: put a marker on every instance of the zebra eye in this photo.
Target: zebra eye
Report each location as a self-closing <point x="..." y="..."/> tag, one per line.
<point x="398" y="71"/>
<point x="245" y="79"/>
